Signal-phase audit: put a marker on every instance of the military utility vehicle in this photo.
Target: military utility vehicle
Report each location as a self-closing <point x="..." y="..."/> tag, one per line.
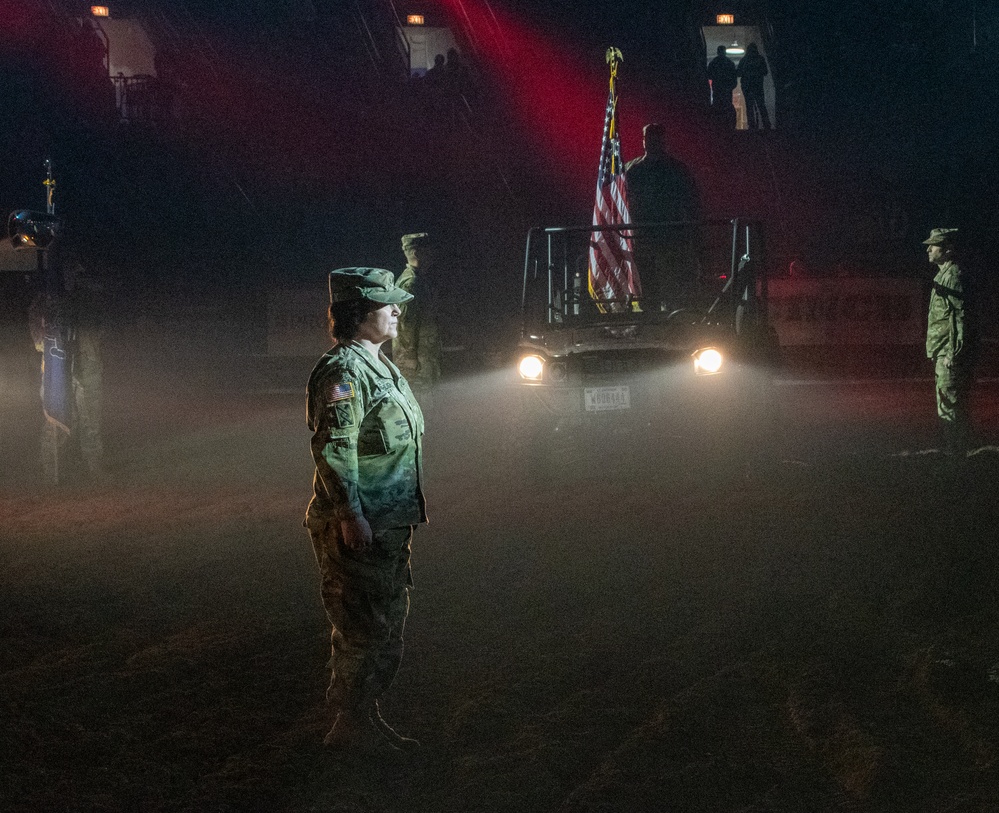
<point x="686" y="359"/>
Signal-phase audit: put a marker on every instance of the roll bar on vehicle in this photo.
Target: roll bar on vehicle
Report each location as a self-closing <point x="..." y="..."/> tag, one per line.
<point x="744" y="264"/>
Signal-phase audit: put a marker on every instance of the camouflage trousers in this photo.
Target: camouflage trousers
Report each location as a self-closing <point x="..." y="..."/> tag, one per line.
<point x="953" y="386"/>
<point x="366" y="597"/>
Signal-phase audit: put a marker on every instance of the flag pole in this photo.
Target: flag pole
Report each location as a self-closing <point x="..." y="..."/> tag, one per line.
<point x="614" y="58"/>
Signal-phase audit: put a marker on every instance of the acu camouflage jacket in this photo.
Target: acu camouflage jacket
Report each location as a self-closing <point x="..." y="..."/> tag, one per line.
<point x="418" y="348"/>
<point x="367" y="442"/>
<point x="948" y="330"/>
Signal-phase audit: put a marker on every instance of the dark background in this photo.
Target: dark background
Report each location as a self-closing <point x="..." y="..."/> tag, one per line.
<point x="659" y="622"/>
<point x="294" y="145"/>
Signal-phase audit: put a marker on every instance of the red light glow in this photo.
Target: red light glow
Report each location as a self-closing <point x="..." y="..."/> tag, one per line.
<point x="556" y="99"/>
<point x="558" y="91"/>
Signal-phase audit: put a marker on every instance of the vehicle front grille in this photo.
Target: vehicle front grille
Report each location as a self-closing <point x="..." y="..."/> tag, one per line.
<point x="621" y="363"/>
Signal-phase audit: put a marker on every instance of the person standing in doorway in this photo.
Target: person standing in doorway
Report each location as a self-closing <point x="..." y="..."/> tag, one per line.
<point x="724" y="79"/>
<point x="751" y="71"/>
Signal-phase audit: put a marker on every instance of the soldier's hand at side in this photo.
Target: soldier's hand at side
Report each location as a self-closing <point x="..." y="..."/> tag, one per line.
<point x="356" y="533"/>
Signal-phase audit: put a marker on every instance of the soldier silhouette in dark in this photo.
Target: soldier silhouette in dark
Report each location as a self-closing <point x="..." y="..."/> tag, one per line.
<point x="434" y="77"/>
<point x="723" y="77"/>
<point x="752" y="68"/>
<point x="661" y="190"/>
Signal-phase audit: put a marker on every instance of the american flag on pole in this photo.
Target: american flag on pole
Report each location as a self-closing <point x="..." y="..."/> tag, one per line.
<point x="613" y="276"/>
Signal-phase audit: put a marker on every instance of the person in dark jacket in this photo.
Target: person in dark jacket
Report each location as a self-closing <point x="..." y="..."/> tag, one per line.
<point x="724" y="79"/>
<point x="661" y="190"/>
<point x="752" y="69"/>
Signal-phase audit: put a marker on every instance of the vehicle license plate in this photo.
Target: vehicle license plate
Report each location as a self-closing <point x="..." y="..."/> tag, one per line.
<point x="600" y="399"/>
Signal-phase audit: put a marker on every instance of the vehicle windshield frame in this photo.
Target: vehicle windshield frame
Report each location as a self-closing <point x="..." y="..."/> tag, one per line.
<point x="564" y="293"/>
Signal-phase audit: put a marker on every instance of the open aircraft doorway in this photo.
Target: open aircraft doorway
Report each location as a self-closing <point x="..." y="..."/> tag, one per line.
<point x="736" y="39"/>
<point x="426" y="45"/>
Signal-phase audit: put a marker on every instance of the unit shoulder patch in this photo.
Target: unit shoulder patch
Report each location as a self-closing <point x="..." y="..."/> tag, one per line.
<point x="342" y="413"/>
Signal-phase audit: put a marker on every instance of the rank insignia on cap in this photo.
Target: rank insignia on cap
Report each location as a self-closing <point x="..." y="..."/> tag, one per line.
<point x="339" y="392"/>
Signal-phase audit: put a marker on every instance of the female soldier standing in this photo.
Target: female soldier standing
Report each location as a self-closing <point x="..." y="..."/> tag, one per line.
<point x="368" y="496"/>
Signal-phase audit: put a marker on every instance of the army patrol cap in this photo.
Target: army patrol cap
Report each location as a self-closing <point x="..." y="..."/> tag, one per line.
<point x="373" y="284"/>
<point x="941" y="237"/>
<point x="415" y="240"/>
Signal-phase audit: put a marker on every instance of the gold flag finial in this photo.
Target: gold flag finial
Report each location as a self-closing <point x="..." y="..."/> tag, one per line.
<point x="614" y="55"/>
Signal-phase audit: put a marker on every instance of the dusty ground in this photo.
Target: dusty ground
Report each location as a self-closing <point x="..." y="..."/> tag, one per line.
<point x="815" y="633"/>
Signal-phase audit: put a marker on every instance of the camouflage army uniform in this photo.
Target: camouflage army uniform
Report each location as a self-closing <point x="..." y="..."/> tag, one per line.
<point x="949" y="342"/>
<point x="368" y="454"/>
<point x="418" y="349"/>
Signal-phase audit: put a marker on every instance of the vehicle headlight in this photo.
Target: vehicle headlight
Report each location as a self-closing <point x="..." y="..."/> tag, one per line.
<point x="708" y="361"/>
<point x="531" y="367"/>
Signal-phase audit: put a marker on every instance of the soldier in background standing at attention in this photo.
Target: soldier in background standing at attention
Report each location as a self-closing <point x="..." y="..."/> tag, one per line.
<point x="951" y="338"/>
<point x="418" y="348"/>
<point x="74" y="448"/>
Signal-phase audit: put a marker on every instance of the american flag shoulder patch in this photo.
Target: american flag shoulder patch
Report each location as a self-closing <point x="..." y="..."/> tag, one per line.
<point x="339" y="392"/>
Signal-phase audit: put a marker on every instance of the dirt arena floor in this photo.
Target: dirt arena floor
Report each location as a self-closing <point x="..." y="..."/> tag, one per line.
<point x="646" y="628"/>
